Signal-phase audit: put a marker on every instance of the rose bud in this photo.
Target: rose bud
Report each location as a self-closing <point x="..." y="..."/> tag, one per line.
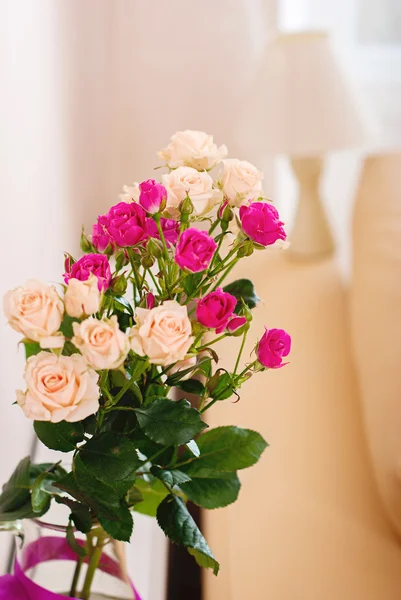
<point x="235" y="326"/>
<point x="154" y="248"/>
<point x="195" y="250"/>
<point x="274" y="345"/>
<point x="215" y="310"/>
<point x="186" y="208"/>
<point x="147" y="261"/>
<point x="97" y="264"/>
<point x="119" y="284"/>
<point x="153" y="196"/>
<point x="150" y="300"/>
<point x="85" y="243"/>
<point x="226" y="212"/>
<point x="261" y="223"/>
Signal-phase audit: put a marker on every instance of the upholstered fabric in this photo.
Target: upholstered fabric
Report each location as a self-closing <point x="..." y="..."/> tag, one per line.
<point x="308" y="524"/>
<point x="376" y="319"/>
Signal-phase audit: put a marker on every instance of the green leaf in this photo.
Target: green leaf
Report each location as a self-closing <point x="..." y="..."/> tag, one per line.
<point x="153" y="493"/>
<point x="169" y="422"/>
<point x="121" y="304"/>
<point x="214" y="491"/>
<point x="110" y="457"/>
<point x="220" y="386"/>
<point x="99" y="495"/>
<point x="154" y="391"/>
<point x="120" y="526"/>
<point x="176" y="522"/>
<point x="171" y="477"/>
<point x="191" y="282"/>
<point x="40" y="496"/>
<point x="16" y="492"/>
<point x="68" y="484"/>
<point x="73" y="543"/>
<point x="80" y="513"/>
<point x="134" y="496"/>
<point x="31" y="348"/>
<point x="191" y="386"/>
<point x="138" y="367"/>
<point x="61" y="436"/>
<point x="242" y="289"/>
<point x="22" y="512"/>
<point x="225" y="449"/>
<point x="66" y="326"/>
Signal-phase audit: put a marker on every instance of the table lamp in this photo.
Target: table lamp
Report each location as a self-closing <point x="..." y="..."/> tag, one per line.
<point x="304" y="106"/>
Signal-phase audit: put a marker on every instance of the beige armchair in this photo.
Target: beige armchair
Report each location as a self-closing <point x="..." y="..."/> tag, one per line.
<point x="309" y="524"/>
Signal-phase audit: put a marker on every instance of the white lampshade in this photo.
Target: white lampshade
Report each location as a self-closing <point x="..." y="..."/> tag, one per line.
<point x="303" y="103"/>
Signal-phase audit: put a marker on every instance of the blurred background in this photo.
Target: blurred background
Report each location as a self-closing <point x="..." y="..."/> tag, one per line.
<point x="310" y="92"/>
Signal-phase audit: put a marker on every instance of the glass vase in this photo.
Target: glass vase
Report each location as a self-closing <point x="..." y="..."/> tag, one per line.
<point x="45" y="561"/>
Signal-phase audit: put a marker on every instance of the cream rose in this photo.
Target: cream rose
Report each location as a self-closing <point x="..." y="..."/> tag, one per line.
<point x="60" y="388"/>
<point x="82" y="297"/>
<point x="240" y="181"/>
<point x="192" y="149"/>
<point x="197" y="185"/>
<point x="182" y="365"/>
<point x="130" y="193"/>
<point x="102" y="343"/>
<point x="163" y="334"/>
<point x="36" y="311"/>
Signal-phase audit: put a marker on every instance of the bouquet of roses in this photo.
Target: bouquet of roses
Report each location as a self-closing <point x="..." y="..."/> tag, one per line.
<point x="111" y="354"/>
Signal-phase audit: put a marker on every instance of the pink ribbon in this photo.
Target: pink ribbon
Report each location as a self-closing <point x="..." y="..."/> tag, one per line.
<point x="20" y="587"/>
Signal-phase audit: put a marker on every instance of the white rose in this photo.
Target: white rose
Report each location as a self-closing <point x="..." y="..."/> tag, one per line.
<point x="163" y="334"/>
<point x="36" y="311"/>
<point x="192" y="149"/>
<point x="130" y="193"/>
<point x="60" y="388"/>
<point x="182" y="365"/>
<point x="82" y="297"/>
<point x="240" y="181"/>
<point x="101" y="343"/>
<point x="197" y="185"/>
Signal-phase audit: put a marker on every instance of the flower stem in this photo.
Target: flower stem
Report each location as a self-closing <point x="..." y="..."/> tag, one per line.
<point x="77" y="572"/>
<point x="93" y="563"/>
<point x="220" y="337"/>
<point x="240" y="351"/>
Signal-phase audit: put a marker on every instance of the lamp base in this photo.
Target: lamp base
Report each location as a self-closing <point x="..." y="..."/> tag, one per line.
<point x="311" y="237"/>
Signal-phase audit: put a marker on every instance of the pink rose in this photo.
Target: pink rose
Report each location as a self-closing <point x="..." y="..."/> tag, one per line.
<point x="36" y="311"/>
<point x="274" y="345"/>
<point x="195" y="250"/>
<point x="100" y="237"/>
<point x="124" y="225"/>
<point x="261" y="223"/>
<point x="101" y="343"/>
<point x="82" y="297"/>
<point x="153" y="196"/>
<point x="59" y="388"/>
<point x="97" y="264"/>
<point x="235" y="323"/>
<point x="170" y="228"/>
<point x="163" y="334"/>
<point x="215" y="310"/>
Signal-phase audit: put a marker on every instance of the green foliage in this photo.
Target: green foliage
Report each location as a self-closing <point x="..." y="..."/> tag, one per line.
<point x="244" y="291"/>
<point x="171" y="477"/>
<point x="176" y="522"/>
<point x="110" y="456"/>
<point x="191" y="386"/>
<point x="16" y="492"/>
<point x="75" y="546"/>
<point x="121" y="525"/>
<point x="40" y="497"/>
<point x="61" y="436"/>
<point x="220" y="386"/>
<point x="31" y="348"/>
<point x="153" y="493"/>
<point x="66" y="326"/>
<point x="191" y="282"/>
<point x="80" y="513"/>
<point x="213" y="491"/>
<point x="224" y="449"/>
<point x="169" y="422"/>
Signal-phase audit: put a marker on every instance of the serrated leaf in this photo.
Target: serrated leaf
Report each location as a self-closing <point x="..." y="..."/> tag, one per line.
<point x="176" y="522"/>
<point x="214" y="491"/>
<point x="120" y="526"/>
<point x="225" y="449"/>
<point x="61" y="436"/>
<point x="191" y="386"/>
<point x="170" y="423"/>
<point x="75" y="546"/>
<point x="171" y="477"/>
<point x="153" y="493"/>
<point x="242" y="289"/>
<point x="68" y="484"/>
<point x="80" y="513"/>
<point x="99" y="495"/>
<point x="110" y="457"/>
<point x="16" y="492"/>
